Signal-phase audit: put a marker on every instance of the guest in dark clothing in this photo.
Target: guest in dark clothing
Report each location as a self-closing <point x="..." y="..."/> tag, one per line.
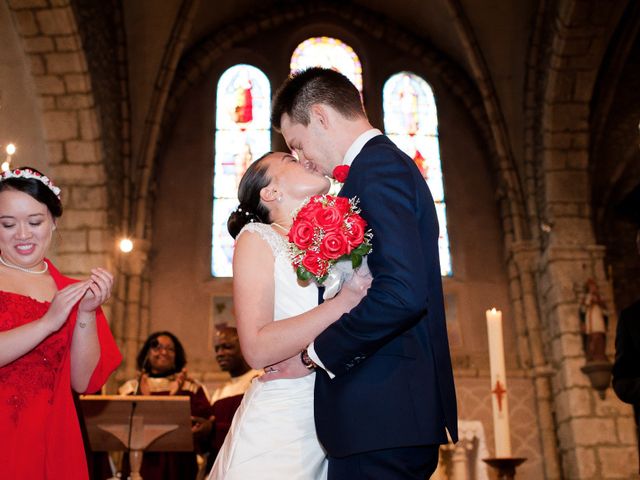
<point x="162" y="360"/>
<point x="626" y="368"/>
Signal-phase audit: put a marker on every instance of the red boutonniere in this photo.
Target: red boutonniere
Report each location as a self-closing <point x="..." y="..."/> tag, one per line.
<point x="341" y="172"/>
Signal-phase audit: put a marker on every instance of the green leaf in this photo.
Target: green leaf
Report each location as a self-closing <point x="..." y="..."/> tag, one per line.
<point x="356" y="260"/>
<point x="303" y="274"/>
<point x="362" y="249"/>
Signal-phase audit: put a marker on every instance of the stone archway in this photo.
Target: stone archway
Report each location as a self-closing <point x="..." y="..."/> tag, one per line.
<point x="175" y="78"/>
<point x="193" y="66"/>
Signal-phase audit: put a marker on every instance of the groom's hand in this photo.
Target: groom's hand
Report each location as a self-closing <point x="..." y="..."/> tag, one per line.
<point x="290" y="368"/>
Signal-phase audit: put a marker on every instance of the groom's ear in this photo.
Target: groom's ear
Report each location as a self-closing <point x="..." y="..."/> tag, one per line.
<point x="320" y="113"/>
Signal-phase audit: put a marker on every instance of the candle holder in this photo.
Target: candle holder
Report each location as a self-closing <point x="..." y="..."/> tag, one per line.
<point x="506" y="467"/>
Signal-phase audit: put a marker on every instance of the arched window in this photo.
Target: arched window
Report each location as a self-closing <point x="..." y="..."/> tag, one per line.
<point x="328" y="52"/>
<point x="243" y="133"/>
<point x="411" y="122"/>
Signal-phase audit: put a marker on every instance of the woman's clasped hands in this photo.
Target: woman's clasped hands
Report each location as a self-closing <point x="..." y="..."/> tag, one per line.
<point x="98" y="291"/>
<point x="89" y="294"/>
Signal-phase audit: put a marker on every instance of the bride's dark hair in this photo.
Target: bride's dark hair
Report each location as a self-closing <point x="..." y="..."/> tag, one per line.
<point x="251" y="209"/>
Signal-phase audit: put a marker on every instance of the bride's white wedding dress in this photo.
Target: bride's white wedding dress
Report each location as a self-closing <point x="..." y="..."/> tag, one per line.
<point x="273" y="435"/>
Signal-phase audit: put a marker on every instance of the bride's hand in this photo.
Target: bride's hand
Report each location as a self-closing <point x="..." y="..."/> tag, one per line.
<point x="289" y="368"/>
<point x="354" y="289"/>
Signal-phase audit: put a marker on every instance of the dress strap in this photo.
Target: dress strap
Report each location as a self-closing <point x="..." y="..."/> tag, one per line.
<point x="276" y="242"/>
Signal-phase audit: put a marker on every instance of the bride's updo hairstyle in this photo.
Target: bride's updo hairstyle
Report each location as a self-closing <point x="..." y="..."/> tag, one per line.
<point x="41" y="189"/>
<point x="251" y="209"/>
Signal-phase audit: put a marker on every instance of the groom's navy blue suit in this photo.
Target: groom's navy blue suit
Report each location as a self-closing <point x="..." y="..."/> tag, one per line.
<point x="394" y="382"/>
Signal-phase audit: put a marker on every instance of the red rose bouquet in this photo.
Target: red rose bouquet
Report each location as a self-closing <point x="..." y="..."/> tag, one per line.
<point x="328" y="240"/>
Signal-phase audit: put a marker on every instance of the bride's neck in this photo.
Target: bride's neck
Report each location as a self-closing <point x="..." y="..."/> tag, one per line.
<point x="283" y="220"/>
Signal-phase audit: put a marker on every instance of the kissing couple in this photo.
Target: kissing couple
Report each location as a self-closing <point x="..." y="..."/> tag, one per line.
<point x="359" y="386"/>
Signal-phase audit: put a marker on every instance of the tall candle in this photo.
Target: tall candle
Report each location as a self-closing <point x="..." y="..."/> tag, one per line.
<point x="6" y="165"/>
<point x="499" y="397"/>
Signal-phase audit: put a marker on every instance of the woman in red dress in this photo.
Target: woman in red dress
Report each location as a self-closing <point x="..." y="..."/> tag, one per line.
<point x="53" y="337"/>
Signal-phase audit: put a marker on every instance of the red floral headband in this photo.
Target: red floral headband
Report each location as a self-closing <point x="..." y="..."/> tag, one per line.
<point x="28" y="173"/>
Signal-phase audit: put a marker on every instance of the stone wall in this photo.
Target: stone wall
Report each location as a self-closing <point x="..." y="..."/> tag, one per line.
<point x="72" y="130"/>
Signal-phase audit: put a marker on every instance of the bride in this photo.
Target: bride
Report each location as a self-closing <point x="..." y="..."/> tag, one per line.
<point x="273" y="433"/>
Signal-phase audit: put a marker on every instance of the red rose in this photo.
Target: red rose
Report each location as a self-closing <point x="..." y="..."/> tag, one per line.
<point x="342" y="204"/>
<point x="333" y="245"/>
<point x="308" y="212"/>
<point x="355" y="230"/>
<point x="341" y="172"/>
<point x="328" y="218"/>
<point x="313" y="263"/>
<point x="301" y="233"/>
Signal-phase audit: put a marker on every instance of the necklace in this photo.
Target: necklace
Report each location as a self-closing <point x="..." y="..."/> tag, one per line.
<point x="26" y="270"/>
<point x="285" y="230"/>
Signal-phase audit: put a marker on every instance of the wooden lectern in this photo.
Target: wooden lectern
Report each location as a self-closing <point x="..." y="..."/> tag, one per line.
<point x="136" y="423"/>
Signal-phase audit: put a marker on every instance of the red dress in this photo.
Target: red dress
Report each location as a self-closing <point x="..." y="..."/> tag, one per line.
<point x="39" y="432"/>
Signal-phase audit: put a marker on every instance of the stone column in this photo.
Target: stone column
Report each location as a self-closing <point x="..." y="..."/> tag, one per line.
<point x="522" y="261"/>
<point x="132" y="306"/>
<point x="592" y="433"/>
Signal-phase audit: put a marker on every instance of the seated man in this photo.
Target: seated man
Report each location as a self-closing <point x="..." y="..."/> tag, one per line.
<point x="210" y="433"/>
<point x="161" y="361"/>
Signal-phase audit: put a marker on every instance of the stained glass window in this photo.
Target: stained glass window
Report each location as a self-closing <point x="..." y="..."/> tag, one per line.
<point x="411" y="121"/>
<point x="243" y="133"/>
<point x="328" y="52"/>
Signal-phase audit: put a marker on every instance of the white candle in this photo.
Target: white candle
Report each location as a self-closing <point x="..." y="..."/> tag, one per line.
<point x="6" y="165"/>
<point x="499" y="397"/>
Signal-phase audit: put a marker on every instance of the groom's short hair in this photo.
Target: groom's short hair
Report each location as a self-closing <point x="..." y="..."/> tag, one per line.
<point x="310" y="87"/>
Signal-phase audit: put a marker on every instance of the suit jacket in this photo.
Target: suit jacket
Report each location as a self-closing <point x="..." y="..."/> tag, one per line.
<point x="394" y="381"/>
<point x="626" y="368"/>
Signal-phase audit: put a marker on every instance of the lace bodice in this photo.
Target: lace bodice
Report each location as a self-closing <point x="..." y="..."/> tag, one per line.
<point x="276" y="242"/>
<point x="291" y="296"/>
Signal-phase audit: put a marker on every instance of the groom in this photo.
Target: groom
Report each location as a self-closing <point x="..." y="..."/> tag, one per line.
<point x="384" y="390"/>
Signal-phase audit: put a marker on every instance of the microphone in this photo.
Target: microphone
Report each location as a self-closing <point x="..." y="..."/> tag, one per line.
<point x="135" y="393"/>
<point x="143" y="370"/>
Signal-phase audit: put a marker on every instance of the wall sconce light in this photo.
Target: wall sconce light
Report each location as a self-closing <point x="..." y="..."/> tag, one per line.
<point x="126" y="245"/>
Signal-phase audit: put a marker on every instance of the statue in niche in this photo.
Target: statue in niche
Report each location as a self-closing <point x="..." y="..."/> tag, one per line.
<point x="594" y="321"/>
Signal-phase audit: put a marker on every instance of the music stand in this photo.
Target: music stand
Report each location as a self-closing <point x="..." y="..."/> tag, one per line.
<point x="156" y="423"/>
